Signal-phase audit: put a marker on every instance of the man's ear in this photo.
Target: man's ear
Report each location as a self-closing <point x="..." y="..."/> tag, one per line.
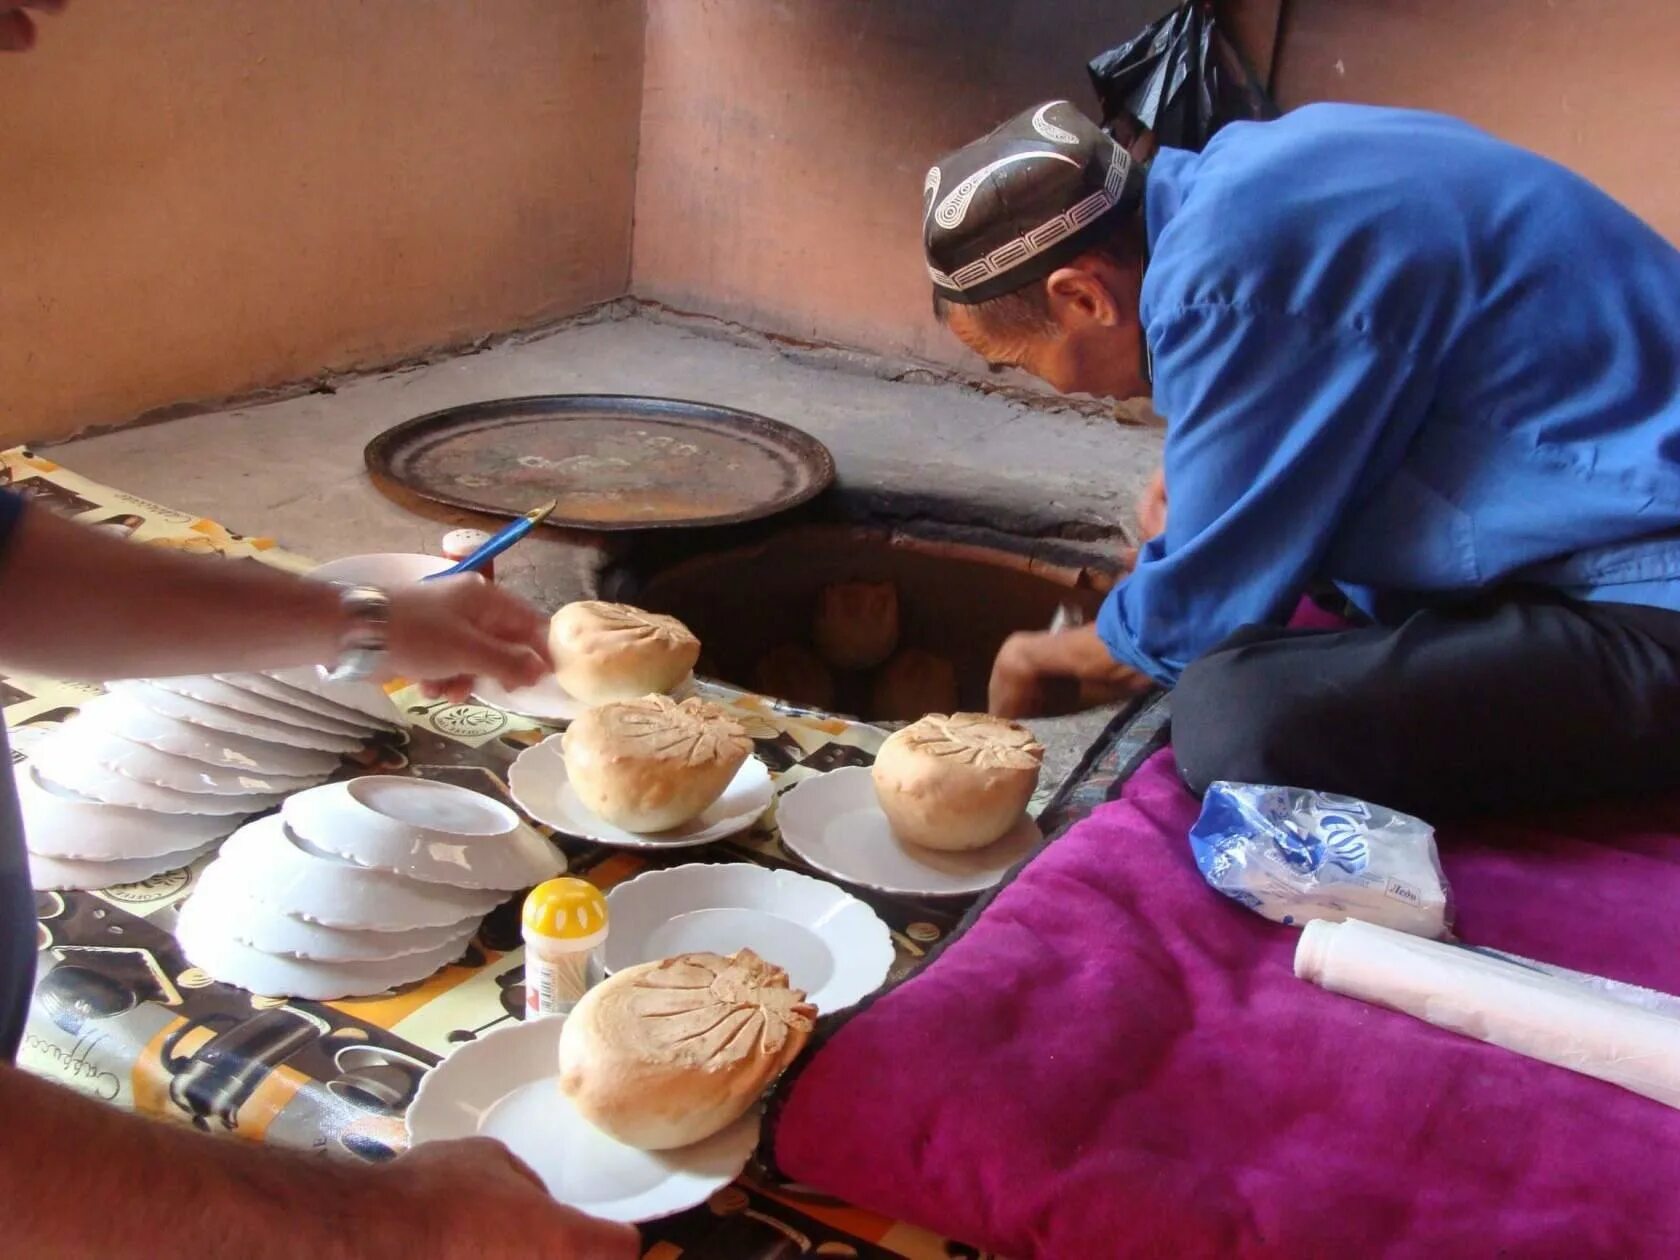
<point x="1080" y="297"/>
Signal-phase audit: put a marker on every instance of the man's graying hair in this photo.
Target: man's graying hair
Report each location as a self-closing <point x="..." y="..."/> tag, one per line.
<point x="1026" y="311"/>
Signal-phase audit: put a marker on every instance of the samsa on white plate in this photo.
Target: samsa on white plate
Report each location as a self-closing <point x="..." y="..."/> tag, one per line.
<point x="956" y="782"/>
<point x="605" y="652"/>
<point x="652" y="764"/>
<point x="665" y="1054"/>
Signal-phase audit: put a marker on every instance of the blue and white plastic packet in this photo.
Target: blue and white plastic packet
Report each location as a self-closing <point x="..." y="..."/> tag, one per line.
<point x="1294" y="855"/>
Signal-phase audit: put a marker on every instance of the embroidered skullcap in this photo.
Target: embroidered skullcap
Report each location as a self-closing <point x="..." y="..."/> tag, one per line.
<point x="1016" y="204"/>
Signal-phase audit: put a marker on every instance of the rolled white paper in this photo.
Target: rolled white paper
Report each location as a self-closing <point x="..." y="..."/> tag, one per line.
<point x="1496" y="999"/>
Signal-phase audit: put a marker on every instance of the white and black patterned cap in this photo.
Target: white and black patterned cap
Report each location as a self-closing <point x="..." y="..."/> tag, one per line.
<point x="1014" y="205"/>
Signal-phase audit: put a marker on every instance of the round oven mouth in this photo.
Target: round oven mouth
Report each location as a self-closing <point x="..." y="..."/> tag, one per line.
<point x="957" y="601"/>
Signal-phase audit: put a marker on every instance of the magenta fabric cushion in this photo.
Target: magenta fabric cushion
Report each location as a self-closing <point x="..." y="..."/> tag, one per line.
<point x="1115" y="1061"/>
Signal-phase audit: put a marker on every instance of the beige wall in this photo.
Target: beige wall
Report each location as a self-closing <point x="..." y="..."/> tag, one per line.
<point x="1591" y="83"/>
<point x="784" y="145"/>
<point x="202" y="199"/>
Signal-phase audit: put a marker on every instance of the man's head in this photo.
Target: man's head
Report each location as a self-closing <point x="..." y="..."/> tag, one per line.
<point x="1036" y="251"/>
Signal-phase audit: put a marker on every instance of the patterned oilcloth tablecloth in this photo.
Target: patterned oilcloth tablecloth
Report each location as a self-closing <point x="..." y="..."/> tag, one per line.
<point x="120" y="1015"/>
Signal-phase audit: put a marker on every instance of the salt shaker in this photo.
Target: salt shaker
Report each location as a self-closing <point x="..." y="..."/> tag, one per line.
<point x="565" y="921"/>
<point x="458" y="544"/>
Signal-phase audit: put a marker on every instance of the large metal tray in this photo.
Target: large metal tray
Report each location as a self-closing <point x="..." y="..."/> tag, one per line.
<point x="614" y="461"/>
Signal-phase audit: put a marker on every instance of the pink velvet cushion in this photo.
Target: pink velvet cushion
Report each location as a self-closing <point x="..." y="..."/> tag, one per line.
<point x="1113" y="1060"/>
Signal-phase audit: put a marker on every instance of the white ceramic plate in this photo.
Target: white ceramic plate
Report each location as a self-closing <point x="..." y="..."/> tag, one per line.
<point x="69" y="827"/>
<point x="207" y="947"/>
<point x="118" y="714"/>
<point x="47" y="874"/>
<point x="77" y="738"/>
<point x="63" y="764"/>
<point x="538" y="782"/>
<point x="833" y="823"/>
<point x="237" y="911"/>
<point x="435" y="832"/>
<point x="832" y="945"/>
<point x="306" y="701"/>
<point x="186" y="709"/>
<point x="298" y="880"/>
<point x="505" y="1085"/>
<point x="367" y="698"/>
<point x="381" y="568"/>
<point x="211" y="690"/>
<point x="547" y="701"/>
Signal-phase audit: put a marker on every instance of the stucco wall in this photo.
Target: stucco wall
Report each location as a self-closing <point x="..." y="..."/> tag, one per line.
<point x="1591" y="83"/>
<point x="783" y="147"/>
<point x="197" y="200"/>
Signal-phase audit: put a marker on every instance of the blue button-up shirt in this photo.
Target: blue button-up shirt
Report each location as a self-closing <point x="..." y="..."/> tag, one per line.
<point x="1399" y="355"/>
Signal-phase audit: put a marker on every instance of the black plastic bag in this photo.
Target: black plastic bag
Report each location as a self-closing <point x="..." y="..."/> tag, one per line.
<point x="1179" y="79"/>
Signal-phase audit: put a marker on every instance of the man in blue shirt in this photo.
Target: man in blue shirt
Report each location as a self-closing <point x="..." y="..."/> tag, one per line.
<point x="1396" y="357"/>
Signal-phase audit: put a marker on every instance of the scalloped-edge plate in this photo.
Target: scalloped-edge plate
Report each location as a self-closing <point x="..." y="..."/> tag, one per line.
<point x="832" y="945"/>
<point x="832" y="822"/>
<point x="237" y="911"/>
<point x="207" y="946"/>
<point x="297" y="879"/>
<point x="76" y="829"/>
<point x="505" y="1085"/>
<point x="539" y="784"/>
<point x="50" y="874"/>
<point x="439" y="833"/>
<point x="187" y="709"/>
<point x="547" y="701"/>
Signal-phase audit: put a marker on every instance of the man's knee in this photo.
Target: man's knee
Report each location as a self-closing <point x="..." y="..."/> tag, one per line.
<point x="1233" y="720"/>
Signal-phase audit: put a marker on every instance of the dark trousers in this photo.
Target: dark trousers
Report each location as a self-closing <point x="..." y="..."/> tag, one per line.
<point x="1522" y="700"/>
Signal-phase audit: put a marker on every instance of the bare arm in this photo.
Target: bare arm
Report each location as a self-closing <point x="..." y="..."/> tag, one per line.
<point x="1050" y="673"/>
<point x="81" y="1179"/>
<point x="80" y="604"/>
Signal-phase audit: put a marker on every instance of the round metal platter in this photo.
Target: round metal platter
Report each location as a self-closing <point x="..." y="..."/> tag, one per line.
<point x="614" y="461"/>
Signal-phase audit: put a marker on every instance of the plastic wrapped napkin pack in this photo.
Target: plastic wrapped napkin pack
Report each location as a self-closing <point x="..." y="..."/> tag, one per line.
<point x="1295" y="855"/>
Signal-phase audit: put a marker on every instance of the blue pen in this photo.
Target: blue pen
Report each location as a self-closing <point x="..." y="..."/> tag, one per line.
<point x="499" y="542"/>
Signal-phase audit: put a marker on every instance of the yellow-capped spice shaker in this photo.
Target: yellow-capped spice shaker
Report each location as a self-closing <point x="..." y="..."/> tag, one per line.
<point x="565" y="921"/>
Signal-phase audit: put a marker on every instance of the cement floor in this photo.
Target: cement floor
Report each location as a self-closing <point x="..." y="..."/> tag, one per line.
<point x="293" y="468"/>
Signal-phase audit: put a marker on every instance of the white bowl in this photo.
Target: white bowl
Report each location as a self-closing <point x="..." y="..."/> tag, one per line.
<point x="277" y="975"/>
<point x="186" y="709"/>
<point x="144" y="764"/>
<point x="48" y="874"/>
<point x="834" y="823"/>
<point x="435" y="832"/>
<point x="233" y="909"/>
<point x="118" y="714"/>
<point x="310" y="702"/>
<point x="63" y="764"/>
<point x="381" y="568"/>
<point x="538" y="782"/>
<point x="296" y="879"/>
<point x="832" y="945"/>
<point x="546" y="700"/>
<point x="68" y="826"/>
<point x="505" y="1086"/>
<point x="214" y="691"/>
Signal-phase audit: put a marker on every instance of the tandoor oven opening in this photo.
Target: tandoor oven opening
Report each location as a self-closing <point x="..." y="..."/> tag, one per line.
<point x="754" y="607"/>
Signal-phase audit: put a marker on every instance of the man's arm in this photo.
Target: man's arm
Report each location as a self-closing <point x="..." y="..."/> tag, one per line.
<point x="81" y="604"/>
<point x="81" y="1179"/>
<point x="1051" y="673"/>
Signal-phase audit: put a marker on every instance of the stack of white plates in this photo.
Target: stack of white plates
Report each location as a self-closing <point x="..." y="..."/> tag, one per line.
<point x="143" y="779"/>
<point x="355" y="888"/>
